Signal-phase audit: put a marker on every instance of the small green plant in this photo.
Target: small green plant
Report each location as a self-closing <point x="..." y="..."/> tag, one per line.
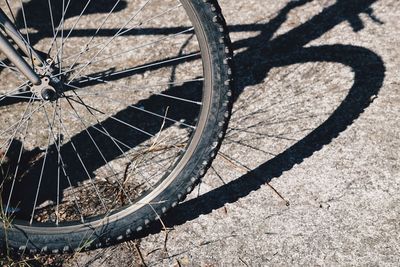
<point x="6" y="221"/>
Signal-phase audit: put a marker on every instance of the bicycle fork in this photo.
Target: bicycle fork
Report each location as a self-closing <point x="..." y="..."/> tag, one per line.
<point x="13" y="55"/>
<point x="42" y="86"/>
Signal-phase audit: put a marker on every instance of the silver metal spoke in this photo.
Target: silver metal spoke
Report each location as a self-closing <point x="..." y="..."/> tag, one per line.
<point x="58" y="29"/>
<point x="131" y="126"/>
<point x="19" y="124"/>
<point x="98" y="122"/>
<point x="106" y="133"/>
<point x="73" y="27"/>
<point x="115" y="140"/>
<point x="99" y="130"/>
<point x="52" y="23"/>
<point x="128" y="30"/>
<point x="23" y="97"/>
<point x="101" y="25"/>
<point x="98" y="149"/>
<point x="129" y="89"/>
<point x="125" y="123"/>
<point x="78" y="67"/>
<point x="16" y="91"/>
<point x="129" y="70"/>
<point x="57" y="143"/>
<point x="16" y="171"/>
<point x="42" y="169"/>
<point x="60" y="56"/>
<point x="52" y="27"/>
<point x="27" y="32"/>
<point x="76" y="23"/>
<point x="145" y="45"/>
<point x="111" y="39"/>
<point x="84" y="167"/>
<point x="4" y="65"/>
<point x="24" y="119"/>
<point x="17" y="167"/>
<point x="58" y="147"/>
<point x="145" y="111"/>
<point x="137" y="87"/>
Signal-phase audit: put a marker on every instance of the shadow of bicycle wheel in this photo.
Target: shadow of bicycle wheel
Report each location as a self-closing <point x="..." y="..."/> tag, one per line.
<point x="263" y="54"/>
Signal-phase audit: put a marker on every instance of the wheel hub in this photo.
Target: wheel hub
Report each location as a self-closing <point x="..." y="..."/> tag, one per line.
<point x="49" y="94"/>
<point x="48" y="90"/>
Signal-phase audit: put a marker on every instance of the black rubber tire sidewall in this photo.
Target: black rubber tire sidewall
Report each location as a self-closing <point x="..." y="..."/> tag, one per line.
<point x="210" y="25"/>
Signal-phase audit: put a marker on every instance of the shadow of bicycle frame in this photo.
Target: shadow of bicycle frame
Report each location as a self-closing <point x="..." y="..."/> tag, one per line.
<point x="262" y="53"/>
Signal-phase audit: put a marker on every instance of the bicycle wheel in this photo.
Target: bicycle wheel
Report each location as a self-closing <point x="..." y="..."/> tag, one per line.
<point x="141" y="104"/>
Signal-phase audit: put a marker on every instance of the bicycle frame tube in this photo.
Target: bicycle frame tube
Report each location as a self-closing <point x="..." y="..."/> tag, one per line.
<point x="12" y="54"/>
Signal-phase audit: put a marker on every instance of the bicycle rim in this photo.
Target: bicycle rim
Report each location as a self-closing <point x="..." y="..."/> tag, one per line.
<point x="135" y="96"/>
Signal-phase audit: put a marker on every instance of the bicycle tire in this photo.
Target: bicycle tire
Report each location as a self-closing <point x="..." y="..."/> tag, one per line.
<point x="125" y="222"/>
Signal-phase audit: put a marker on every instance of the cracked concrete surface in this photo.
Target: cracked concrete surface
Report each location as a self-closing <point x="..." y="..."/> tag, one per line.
<point x="316" y="117"/>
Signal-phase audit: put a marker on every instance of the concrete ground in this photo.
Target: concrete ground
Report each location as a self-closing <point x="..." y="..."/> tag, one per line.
<point x="309" y="173"/>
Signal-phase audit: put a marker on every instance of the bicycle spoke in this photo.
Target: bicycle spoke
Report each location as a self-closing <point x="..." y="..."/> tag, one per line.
<point x="16" y="91"/>
<point x="127" y="124"/>
<point x="111" y="39"/>
<point x="27" y="32"/>
<point x="127" y="146"/>
<point x="137" y="87"/>
<point x="74" y="66"/>
<point x="85" y="168"/>
<point x="115" y="140"/>
<point x="52" y="27"/>
<point x="43" y="167"/>
<point x="146" y="111"/>
<point x="129" y="70"/>
<point x="101" y="25"/>
<point x="52" y="22"/>
<point x="73" y="27"/>
<point x="99" y="130"/>
<point x="87" y="48"/>
<point x="57" y="143"/>
<point x="4" y="65"/>
<point x="98" y="122"/>
<point x="105" y="132"/>
<point x="23" y="97"/>
<point x="58" y="28"/>
<point x="18" y="125"/>
<point x="17" y="167"/>
<point x="60" y="56"/>
<point x="58" y="146"/>
<point x="129" y="89"/>
<point x="24" y="119"/>
<point x="98" y="149"/>
<point x="124" y="123"/>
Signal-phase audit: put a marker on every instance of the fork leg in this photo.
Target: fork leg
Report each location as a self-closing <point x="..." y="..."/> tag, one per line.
<point x="13" y="55"/>
<point x="9" y="28"/>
